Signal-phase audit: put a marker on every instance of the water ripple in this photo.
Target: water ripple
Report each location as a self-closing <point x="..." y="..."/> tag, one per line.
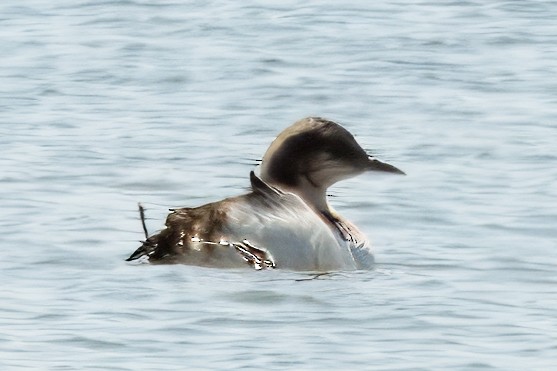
<point x="108" y="103"/>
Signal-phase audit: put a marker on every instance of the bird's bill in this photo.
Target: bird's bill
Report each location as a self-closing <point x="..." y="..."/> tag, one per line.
<point x="376" y="165"/>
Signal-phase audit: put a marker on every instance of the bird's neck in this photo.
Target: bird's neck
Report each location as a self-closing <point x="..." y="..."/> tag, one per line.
<point x="314" y="196"/>
<point x="287" y="177"/>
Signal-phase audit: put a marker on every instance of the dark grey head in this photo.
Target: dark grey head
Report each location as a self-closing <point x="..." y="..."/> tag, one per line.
<point x="315" y="152"/>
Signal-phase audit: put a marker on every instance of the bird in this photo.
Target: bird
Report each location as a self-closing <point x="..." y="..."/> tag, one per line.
<point x="285" y="221"/>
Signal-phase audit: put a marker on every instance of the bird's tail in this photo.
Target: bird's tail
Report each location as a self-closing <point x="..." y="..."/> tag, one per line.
<point x="149" y="245"/>
<point x="146" y="249"/>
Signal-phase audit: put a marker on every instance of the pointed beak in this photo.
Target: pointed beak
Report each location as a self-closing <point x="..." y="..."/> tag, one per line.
<point x="376" y="165"/>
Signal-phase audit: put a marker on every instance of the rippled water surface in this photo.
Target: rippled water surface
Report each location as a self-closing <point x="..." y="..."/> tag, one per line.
<point x="107" y="103"/>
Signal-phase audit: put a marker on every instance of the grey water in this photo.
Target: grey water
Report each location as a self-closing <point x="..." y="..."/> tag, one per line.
<point x="104" y="104"/>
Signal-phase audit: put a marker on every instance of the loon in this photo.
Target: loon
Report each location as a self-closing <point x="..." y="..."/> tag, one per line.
<point x="285" y="221"/>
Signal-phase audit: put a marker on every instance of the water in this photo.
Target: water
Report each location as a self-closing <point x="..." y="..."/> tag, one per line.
<point x="107" y="103"/>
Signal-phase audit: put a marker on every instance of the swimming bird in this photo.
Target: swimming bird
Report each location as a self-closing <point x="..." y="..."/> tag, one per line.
<point x="285" y="221"/>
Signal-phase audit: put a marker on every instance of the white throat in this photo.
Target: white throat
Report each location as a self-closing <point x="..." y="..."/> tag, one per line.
<point x="314" y="196"/>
